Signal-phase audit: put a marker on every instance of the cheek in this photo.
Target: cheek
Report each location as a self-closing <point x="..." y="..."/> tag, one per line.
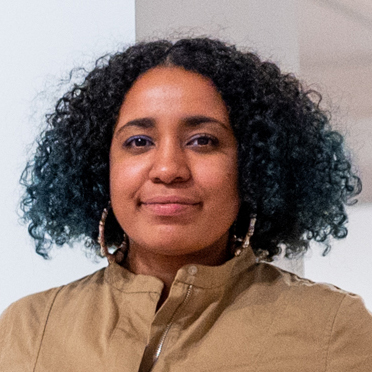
<point x="125" y="180"/>
<point x="221" y="179"/>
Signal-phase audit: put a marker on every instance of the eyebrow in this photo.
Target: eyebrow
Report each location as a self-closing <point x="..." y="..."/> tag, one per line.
<point x="144" y="123"/>
<point x="194" y="121"/>
<point x="189" y="121"/>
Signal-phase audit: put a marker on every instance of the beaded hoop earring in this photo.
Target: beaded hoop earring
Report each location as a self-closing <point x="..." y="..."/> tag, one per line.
<point x="119" y="255"/>
<point x="250" y="232"/>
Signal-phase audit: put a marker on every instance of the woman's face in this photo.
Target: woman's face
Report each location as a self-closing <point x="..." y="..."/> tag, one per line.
<point x="173" y="164"/>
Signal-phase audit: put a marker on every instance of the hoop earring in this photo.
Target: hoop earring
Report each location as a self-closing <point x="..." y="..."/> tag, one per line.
<point x="119" y="255"/>
<point x="250" y="232"/>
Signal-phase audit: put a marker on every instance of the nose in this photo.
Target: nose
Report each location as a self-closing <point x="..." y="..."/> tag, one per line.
<point x="170" y="164"/>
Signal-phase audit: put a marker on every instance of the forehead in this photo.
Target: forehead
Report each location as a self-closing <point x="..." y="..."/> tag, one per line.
<point x="171" y="76"/>
<point x="168" y="89"/>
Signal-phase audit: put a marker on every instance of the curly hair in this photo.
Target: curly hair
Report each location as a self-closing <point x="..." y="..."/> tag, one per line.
<point x="294" y="172"/>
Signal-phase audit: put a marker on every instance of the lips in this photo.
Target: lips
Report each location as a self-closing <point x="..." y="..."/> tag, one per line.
<point x="170" y="205"/>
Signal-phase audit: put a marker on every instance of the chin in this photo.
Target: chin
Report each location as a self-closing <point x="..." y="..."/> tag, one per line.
<point x="172" y="247"/>
<point x="173" y="240"/>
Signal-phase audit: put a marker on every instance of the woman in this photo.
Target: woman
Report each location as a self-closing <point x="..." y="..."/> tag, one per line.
<point x="205" y="161"/>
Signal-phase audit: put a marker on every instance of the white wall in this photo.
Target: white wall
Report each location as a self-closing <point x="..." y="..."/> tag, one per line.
<point x="266" y="26"/>
<point x="40" y="41"/>
<point x="349" y="264"/>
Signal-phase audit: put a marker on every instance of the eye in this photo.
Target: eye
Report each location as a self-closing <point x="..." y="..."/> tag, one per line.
<point x="138" y="142"/>
<point x="203" y="140"/>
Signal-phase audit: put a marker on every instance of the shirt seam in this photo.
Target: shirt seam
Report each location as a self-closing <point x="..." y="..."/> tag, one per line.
<point x="223" y="284"/>
<point x="278" y="315"/>
<point x="50" y="306"/>
<point x="331" y="332"/>
<point x="132" y="292"/>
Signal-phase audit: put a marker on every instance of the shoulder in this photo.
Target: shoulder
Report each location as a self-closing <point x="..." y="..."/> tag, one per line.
<point x="23" y="323"/>
<point x="350" y="339"/>
<point x="308" y="294"/>
<point x="37" y="303"/>
<point x="28" y="313"/>
<point x="301" y="289"/>
<point x="336" y="318"/>
<point x="21" y="330"/>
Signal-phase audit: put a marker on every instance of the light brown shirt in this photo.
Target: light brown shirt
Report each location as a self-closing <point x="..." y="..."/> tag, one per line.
<point x="241" y="316"/>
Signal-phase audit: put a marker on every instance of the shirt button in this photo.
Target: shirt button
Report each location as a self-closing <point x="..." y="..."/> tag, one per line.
<point x="192" y="270"/>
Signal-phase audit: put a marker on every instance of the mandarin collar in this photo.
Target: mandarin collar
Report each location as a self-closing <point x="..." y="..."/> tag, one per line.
<point x="201" y="276"/>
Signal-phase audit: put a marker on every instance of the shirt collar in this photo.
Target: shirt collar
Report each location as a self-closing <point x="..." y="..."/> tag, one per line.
<point x="198" y="275"/>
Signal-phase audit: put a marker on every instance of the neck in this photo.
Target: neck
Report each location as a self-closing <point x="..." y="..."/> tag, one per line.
<point x="164" y="266"/>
